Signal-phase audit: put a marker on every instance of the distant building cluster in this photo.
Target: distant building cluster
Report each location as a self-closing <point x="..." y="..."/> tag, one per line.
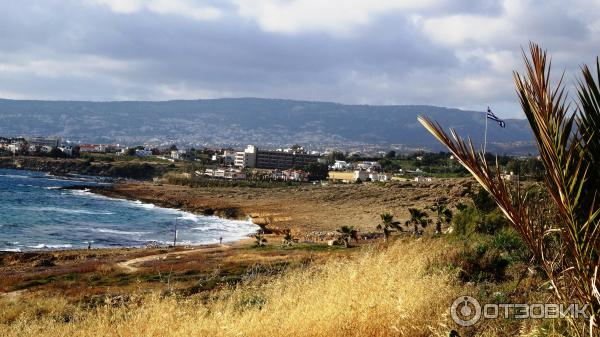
<point x="252" y="157"/>
<point x="283" y="164"/>
<point x="286" y="164"/>
<point x="34" y="145"/>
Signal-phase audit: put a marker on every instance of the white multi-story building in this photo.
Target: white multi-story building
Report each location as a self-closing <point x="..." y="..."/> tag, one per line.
<point x="246" y="158"/>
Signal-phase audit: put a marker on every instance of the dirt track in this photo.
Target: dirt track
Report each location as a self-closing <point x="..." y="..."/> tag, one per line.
<point x="129" y="265"/>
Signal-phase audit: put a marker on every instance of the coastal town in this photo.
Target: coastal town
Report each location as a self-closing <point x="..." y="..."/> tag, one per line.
<point x="292" y="164"/>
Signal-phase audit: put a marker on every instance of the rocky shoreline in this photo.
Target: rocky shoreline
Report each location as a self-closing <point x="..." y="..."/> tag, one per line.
<point x="69" y="166"/>
<point x="110" y="191"/>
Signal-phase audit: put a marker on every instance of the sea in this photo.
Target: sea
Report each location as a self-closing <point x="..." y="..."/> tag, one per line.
<point x="37" y="214"/>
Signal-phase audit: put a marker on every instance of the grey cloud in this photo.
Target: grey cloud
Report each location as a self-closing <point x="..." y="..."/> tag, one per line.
<point x="389" y="60"/>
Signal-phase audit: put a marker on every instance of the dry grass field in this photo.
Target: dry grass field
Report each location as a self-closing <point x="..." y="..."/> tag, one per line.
<point x="398" y="290"/>
<point x="388" y="292"/>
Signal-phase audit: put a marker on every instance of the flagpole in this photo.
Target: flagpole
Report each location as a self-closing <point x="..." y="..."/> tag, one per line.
<point x="485" y="135"/>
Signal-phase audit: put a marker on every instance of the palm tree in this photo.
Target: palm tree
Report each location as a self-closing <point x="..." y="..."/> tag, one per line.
<point x="568" y="141"/>
<point x="417" y="218"/>
<point x="260" y="240"/>
<point x="347" y="232"/>
<point x="388" y="225"/>
<point x="288" y="239"/>
<point x="443" y="215"/>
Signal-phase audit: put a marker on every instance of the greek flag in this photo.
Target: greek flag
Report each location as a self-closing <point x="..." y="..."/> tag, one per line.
<point x="490" y="115"/>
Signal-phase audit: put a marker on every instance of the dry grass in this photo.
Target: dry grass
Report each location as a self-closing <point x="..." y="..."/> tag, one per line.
<point x="387" y="293"/>
<point x="397" y="291"/>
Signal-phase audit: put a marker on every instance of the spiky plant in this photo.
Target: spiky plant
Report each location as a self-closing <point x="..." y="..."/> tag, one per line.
<point x="568" y="139"/>
<point x="388" y="225"/>
<point x="443" y="215"/>
<point x="259" y="240"/>
<point x="288" y="238"/>
<point x="418" y="218"/>
<point x="347" y="233"/>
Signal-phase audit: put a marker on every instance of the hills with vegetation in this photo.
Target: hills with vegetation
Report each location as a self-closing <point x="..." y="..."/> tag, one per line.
<point x="240" y="121"/>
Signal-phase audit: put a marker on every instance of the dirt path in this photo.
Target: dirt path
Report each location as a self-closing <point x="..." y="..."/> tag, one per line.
<point x="129" y="265"/>
<point x="12" y="296"/>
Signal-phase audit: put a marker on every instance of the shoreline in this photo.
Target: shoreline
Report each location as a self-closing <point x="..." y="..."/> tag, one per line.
<point x="103" y="190"/>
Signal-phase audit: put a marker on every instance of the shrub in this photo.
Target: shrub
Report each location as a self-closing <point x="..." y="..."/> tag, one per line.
<point x="466" y="220"/>
<point x="492" y="223"/>
<point x="470" y="220"/>
<point x="483" y="201"/>
<point x="509" y="241"/>
<point x="481" y="263"/>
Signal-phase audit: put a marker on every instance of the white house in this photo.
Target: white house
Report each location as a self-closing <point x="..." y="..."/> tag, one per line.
<point x="339" y="165"/>
<point x="67" y="150"/>
<point x="383" y="177"/>
<point x="143" y="153"/>
<point x="33" y="148"/>
<point x="15" y="147"/>
<point x="361" y="174"/>
<point x="510" y="176"/>
<point x="180" y="155"/>
<point x="370" y="166"/>
<point x="46" y="149"/>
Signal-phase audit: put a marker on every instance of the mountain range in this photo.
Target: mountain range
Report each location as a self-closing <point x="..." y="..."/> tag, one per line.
<point x="240" y="121"/>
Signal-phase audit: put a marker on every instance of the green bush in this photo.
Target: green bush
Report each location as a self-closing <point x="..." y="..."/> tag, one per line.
<point x="469" y="220"/>
<point x="483" y="201"/>
<point x="509" y="241"/>
<point x="492" y="223"/>
<point x="483" y="263"/>
<point x="466" y="220"/>
<point x="133" y="170"/>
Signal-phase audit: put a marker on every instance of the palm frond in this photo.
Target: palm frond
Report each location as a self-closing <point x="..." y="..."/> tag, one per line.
<point x="569" y="145"/>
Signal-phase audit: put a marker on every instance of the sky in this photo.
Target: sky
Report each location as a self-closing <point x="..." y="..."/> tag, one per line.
<point x="456" y="53"/>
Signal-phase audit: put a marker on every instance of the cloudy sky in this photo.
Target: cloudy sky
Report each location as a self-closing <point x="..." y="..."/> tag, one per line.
<point x="456" y="53"/>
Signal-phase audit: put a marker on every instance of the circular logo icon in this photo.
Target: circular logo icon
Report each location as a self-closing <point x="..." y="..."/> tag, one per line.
<point x="465" y="311"/>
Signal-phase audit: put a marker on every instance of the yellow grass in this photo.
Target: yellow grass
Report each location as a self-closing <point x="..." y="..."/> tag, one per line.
<point x="378" y="293"/>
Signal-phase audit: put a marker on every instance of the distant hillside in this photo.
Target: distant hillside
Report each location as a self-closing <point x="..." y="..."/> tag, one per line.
<point x="238" y="121"/>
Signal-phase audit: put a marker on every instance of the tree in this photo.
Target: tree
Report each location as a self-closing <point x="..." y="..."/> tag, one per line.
<point x="483" y="201"/>
<point x="346" y="233"/>
<point x="391" y="154"/>
<point x="443" y="215"/>
<point x="288" y="239"/>
<point x="335" y="155"/>
<point x="76" y="151"/>
<point x="566" y="245"/>
<point x="260" y="240"/>
<point x="418" y="218"/>
<point x="56" y="153"/>
<point x="317" y="171"/>
<point x="387" y="225"/>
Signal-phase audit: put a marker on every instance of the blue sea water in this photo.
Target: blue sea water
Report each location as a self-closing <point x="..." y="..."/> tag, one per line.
<point x="36" y="214"/>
